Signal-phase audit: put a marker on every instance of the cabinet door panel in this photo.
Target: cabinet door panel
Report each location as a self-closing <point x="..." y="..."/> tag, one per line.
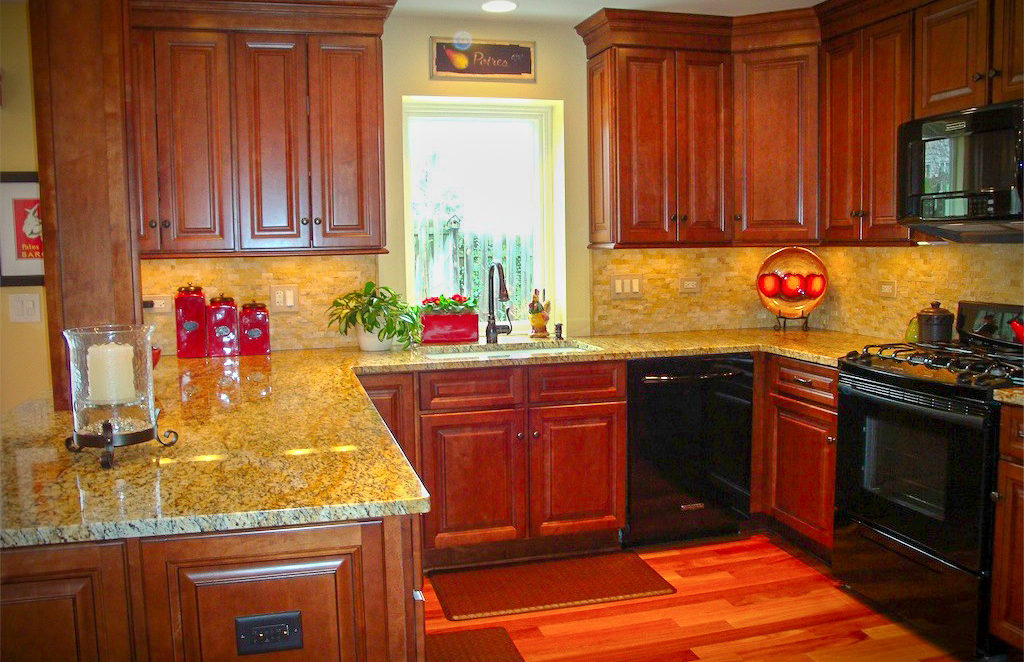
<point x="1008" y="50"/>
<point x="474" y="466"/>
<point x="577" y="468"/>
<point x="392" y="395"/>
<point x="346" y="177"/>
<point x="194" y="134"/>
<point x="1007" y="615"/>
<point x="646" y="145"/>
<point x="951" y="56"/>
<point x="271" y="132"/>
<point x="143" y="187"/>
<point x="704" y="142"/>
<point x="887" y="104"/>
<point x="802" y="464"/>
<point x="600" y="133"/>
<point x="776" y="157"/>
<point x="841" y="117"/>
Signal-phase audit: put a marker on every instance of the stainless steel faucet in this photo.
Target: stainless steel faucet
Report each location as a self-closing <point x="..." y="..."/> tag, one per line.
<point x="493" y="328"/>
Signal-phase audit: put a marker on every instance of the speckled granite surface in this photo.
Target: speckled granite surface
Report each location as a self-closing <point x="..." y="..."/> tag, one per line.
<point x="289" y="439"/>
<point x="1010" y="396"/>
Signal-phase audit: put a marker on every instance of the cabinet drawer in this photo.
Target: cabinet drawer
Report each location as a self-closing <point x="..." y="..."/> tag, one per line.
<point x="1011" y="432"/>
<point x="471" y="389"/>
<point x="804" y="381"/>
<point x="578" y="382"/>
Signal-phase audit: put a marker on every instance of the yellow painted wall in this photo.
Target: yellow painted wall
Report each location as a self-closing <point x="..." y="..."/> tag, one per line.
<point x="24" y="363"/>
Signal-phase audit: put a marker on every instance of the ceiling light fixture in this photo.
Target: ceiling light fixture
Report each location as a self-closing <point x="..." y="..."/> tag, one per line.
<point x="499" y="6"/>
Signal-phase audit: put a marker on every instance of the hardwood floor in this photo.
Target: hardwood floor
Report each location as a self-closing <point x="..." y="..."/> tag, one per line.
<point x="738" y="601"/>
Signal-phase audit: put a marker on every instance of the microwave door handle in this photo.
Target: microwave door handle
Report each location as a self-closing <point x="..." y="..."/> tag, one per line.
<point x="969" y="420"/>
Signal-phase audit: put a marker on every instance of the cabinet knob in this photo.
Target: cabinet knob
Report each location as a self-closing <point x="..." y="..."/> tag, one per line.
<point x="830" y="440"/>
<point x="977" y="76"/>
<point x="317" y="221"/>
<point x="536" y="434"/>
<point x="673" y="218"/>
<point x="304" y="221"/>
<point x="684" y="218"/>
<point x="152" y="224"/>
<point x="992" y="73"/>
<point x="519" y="435"/>
<point x="165" y="224"/>
<point x="738" y="217"/>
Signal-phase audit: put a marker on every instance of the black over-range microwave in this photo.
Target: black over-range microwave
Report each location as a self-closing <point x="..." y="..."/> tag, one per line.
<point x="960" y="175"/>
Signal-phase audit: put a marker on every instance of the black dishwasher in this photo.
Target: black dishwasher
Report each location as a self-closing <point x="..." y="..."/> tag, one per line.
<point x="689" y="447"/>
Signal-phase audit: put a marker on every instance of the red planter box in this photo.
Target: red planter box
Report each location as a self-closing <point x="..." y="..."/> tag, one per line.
<point x="464" y="327"/>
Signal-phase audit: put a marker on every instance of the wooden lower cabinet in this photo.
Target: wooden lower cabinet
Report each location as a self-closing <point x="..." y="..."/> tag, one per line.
<point x="66" y="602"/>
<point x="1006" y="618"/>
<point x="801" y="466"/>
<point x="392" y="395"/>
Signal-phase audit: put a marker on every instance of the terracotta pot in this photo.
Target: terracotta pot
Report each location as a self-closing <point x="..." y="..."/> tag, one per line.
<point x="458" y="328"/>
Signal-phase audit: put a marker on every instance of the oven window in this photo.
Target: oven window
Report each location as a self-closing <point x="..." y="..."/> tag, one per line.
<point x="906" y="464"/>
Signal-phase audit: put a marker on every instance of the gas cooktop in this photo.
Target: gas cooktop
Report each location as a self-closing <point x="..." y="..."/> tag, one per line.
<point x="950" y="363"/>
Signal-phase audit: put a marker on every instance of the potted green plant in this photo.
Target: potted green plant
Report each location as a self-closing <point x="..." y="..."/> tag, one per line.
<point x="449" y="319"/>
<point x="379" y="315"/>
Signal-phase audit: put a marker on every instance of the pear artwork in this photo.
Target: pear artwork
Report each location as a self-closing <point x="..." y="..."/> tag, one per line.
<point x="459" y="60"/>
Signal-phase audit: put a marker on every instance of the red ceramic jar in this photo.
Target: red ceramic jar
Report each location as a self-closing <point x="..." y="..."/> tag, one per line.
<point x="222" y="327"/>
<point x="460" y="328"/>
<point x="190" y="321"/>
<point x="254" y="329"/>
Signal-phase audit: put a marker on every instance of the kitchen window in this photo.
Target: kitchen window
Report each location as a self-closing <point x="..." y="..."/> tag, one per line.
<point x="480" y="180"/>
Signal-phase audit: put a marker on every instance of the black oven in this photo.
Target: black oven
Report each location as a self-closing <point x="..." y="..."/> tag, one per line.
<point x="915" y="466"/>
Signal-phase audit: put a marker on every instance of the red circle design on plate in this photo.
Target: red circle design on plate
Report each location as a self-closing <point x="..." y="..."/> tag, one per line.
<point x="807" y="286"/>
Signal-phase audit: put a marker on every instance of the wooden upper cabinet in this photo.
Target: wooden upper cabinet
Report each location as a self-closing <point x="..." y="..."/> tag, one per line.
<point x="951" y="56"/>
<point x="704" y="146"/>
<point x="601" y="148"/>
<point x="865" y="96"/>
<point x="646" y="157"/>
<point x="142" y="186"/>
<point x="193" y="115"/>
<point x="346" y="169"/>
<point x="272" y="138"/>
<point x="1007" y="50"/>
<point x="776" y="137"/>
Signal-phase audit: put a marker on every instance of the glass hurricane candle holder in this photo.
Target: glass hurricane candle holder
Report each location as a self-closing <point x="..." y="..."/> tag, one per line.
<point x="112" y="388"/>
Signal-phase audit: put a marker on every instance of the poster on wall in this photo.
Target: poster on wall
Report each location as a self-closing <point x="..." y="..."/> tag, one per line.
<point x="21" y="229"/>
<point x="463" y="58"/>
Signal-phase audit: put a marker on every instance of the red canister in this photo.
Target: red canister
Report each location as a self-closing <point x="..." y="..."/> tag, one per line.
<point x="254" y="329"/>
<point x="190" y="321"/>
<point x="222" y="327"/>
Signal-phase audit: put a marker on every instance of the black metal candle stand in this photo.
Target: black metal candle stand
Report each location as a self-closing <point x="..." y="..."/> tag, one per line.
<point x="108" y="440"/>
<point x="780" y="322"/>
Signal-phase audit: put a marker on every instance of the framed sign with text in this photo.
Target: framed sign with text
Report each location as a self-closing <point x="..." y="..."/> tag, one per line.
<point x="452" y="59"/>
<point x="21" y="230"/>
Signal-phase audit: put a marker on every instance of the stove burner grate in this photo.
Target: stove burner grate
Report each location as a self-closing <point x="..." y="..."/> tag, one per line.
<point x="973" y="366"/>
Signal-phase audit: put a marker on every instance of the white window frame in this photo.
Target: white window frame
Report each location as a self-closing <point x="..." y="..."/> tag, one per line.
<point x="549" y="244"/>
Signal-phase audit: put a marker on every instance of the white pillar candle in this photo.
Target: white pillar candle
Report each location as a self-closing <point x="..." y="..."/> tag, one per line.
<point x="111" y="373"/>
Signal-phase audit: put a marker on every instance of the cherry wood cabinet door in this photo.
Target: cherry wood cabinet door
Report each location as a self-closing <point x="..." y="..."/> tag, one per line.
<point x="1007" y="613"/>
<point x="577" y="468"/>
<point x="704" y="143"/>
<point x="142" y="185"/>
<point x="776" y="152"/>
<point x="646" y="153"/>
<point x="802" y="467"/>
<point x="1007" y="70"/>
<point x="842" y="108"/>
<point x="951" y="56"/>
<point x="345" y="120"/>
<point x="196" y="586"/>
<point x="193" y="95"/>
<point x="271" y="135"/>
<point x="886" y="95"/>
<point x="67" y="602"/>
<point x="474" y="467"/>
<point x="601" y="145"/>
<point x="392" y="395"/>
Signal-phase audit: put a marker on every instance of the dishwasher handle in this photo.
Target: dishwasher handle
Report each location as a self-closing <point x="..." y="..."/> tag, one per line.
<point x="688" y="379"/>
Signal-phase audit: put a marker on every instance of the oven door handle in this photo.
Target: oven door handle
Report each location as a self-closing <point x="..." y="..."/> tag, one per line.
<point x="969" y="420"/>
<point x="897" y="546"/>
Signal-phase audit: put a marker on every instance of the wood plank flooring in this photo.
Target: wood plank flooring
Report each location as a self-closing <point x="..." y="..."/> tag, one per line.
<point x="740" y="601"/>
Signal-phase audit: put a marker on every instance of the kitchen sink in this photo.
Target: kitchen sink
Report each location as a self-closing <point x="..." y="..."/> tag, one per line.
<point x="522" y="350"/>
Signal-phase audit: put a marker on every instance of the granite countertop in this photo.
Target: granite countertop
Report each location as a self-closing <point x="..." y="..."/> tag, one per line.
<point x="1010" y="396"/>
<point x="273" y="441"/>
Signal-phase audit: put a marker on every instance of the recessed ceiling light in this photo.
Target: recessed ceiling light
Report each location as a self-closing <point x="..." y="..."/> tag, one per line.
<point x="499" y="6"/>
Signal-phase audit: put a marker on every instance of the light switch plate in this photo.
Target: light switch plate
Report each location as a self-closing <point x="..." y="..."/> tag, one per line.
<point x="163" y="304"/>
<point x="887" y="289"/>
<point x="24" y="308"/>
<point x="689" y="285"/>
<point x="627" y="286"/>
<point x="284" y="298"/>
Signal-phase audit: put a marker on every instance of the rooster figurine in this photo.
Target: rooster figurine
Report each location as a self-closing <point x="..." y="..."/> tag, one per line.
<point x="540" y="313"/>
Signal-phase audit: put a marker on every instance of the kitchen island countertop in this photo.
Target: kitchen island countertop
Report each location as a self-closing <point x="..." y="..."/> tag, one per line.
<point x="275" y="441"/>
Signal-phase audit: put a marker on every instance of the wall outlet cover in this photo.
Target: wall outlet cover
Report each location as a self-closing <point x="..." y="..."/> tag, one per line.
<point x="689" y="285"/>
<point x="627" y="286"/>
<point x="24" y="308"/>
<point x="887" y="289"/>
<point x="163" y="304"/>
<point x="284" y="298"/>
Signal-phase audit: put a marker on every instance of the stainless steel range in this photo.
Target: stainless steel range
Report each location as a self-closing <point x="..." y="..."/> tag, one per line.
<point x="916" y="459"/>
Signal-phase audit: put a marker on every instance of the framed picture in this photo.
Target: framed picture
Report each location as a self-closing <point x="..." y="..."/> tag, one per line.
<point x="21" y="230"/>
<point x="456" y="59"/>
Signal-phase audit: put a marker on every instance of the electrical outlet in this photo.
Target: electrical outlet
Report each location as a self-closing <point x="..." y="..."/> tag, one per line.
<point x="689" y="285"/>
<point x="284" y="298"/>
<point x="24" y="308"/>
<point x="163" y="304"/>
<point x="627" y="287"/>
<point x="887" y="289"/>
